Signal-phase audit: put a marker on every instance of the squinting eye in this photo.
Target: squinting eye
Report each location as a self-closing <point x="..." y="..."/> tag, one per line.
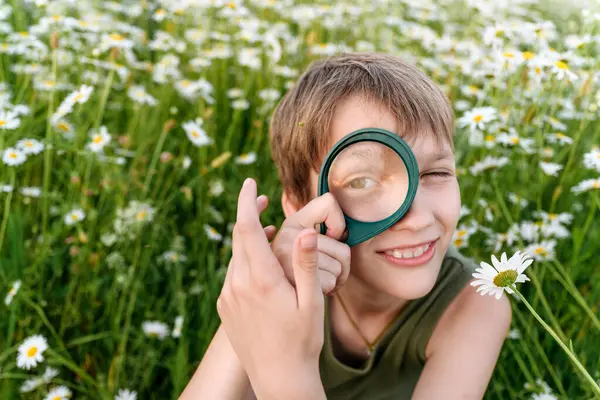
<point x="361" y="183"/>
<point x="438" y="174"/>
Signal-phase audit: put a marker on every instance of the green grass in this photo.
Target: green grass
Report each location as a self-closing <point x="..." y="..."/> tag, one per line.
<point x="89" y="299"/>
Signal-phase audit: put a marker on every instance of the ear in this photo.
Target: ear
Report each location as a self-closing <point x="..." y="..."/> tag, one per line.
<point x="289" y="203"/>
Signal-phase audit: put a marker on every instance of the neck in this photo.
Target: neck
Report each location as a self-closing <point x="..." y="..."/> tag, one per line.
<point x="367" y="302"/>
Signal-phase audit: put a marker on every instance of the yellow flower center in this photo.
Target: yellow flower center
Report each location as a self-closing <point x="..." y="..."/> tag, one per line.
<point x="508" y="54"/>
<point x="63" y="127"/>
<point x="12" y="292"/>
<point x="13" y="155"/>
<point x="116" y="36"/>
<point x="212" y="231"/>
<point x="231" y="5"/>
<point x="141" y="215"/>
<point x="56" y="17"/>
<point x="78" y="97"/>
<point x="541" y="251"/>
<point x="538" y="70"/>
<point x="185" y="83"/>
<point x="32" y="351"/>
<point x="195" y="134"/>
<point x="473" y="88"/>
<point x="161" y="11"/>
<point x="514" y="140"/>
<point x="489" y="138"/>
<point x="57" y="398"/>
<point x="97" y="139"/>
<point x="24" y="34"/>
<point x="506" y="278"/>
<point x="2" y="122"/>
<point x="528" y="55"/>
<point x="461" y="233"/>
<point x="552" y="217"/>
<point x="28" y="143"/>
<point x="561" y="65"/>
<point x="596" y="185"/>
<point x="478" y="118"/>
<point x="458" y="242"/>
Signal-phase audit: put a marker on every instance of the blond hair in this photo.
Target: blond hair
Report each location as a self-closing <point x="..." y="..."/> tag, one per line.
<point x="299" y="126"/>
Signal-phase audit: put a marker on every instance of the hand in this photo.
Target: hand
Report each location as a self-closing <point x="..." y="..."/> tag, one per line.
<point x="333" y="258"/>
<point x="275" y="329"/>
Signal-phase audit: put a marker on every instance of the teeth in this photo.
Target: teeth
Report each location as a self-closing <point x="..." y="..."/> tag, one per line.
<point x="408" y="253"/>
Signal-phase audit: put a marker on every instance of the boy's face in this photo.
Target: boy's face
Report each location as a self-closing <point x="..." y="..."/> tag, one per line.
<point x="432" y="217"/>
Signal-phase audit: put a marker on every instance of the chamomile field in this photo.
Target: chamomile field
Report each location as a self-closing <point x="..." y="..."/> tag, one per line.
<point x="127" y="129"/>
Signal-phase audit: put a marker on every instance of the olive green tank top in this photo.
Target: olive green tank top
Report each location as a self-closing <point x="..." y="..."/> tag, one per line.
<point x="394" y="367"/>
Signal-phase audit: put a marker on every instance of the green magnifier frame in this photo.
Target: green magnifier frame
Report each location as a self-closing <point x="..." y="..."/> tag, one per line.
<point x="360" y="231"/>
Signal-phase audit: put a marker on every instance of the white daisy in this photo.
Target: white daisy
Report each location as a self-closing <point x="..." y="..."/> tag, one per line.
<point x="30" y="146"/>
<point x="12" y="292"/>
<point x="13" y="156"/>
<point x="196" y="134"/>
<point x="74" y="216"/>
<point x="245" y="159"/>
<point x="156" y="329"/>
<point x="215" y="188"/>
<point x="99" y="140"/>
<point x="126" y="394"/>
<point x="591" y="160"/>
<point x="187" y="161"/>
<point x="488" y="163"/>
<point x="503" y="275"/>
<point x="240" y="104"/>
<point x="58" y="393"/>
<point x="476" y="118"/>
<point x="32" y="384"/>
<point x="514" y="334"/>
<point x="559" y="138"/>
<point x="585" y="185"/>
<point x="177" y="327"/>
<point x="30" y="351"/>
<point x="31" y="191"/>
<point x="9" y="120"/>
<point x="80" y="95"/>
<point x="550" y="168"/>
<point x="138" y="94"/>
<point x="542" y="251"/>
<point x="212" y="233"/>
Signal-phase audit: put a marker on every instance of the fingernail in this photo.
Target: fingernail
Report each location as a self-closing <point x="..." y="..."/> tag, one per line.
<point x="309" y="241"/>
<point x="247" y="181"/>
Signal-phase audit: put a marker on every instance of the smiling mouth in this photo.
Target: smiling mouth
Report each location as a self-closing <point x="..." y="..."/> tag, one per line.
<point x="410" y="256"/>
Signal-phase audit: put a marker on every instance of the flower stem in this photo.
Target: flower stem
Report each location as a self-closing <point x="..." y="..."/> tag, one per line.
<point x="572" y="356"/>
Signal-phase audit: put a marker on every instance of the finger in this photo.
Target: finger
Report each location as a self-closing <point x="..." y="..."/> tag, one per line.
<point x="270" y="232"/>
<point x="305" y="256"/>
<point x="250" y="235"/>
<point x="262" y="202"/>
<point x="329" y="271"/>
<point x="321" y="209"/>
<point x="338" y="251"/>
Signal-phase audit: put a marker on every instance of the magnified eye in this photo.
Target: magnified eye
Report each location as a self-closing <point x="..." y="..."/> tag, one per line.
<point x="361" y="183"/>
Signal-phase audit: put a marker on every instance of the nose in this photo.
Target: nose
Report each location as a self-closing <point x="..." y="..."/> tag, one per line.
<point x="418" y="217"/>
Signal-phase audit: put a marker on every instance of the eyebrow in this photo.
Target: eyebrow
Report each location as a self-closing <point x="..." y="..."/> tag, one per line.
<point x="438" y="155"/>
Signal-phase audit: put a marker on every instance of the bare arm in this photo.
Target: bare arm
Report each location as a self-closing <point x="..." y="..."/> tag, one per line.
<point x="464" y="347"/>
<point x="220" y="375"/>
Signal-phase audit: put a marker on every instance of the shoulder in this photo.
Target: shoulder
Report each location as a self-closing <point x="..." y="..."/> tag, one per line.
<point x="479" y="320"/>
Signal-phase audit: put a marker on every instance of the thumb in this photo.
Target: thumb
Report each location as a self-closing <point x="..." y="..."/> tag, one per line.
<point x="304" y="260"/>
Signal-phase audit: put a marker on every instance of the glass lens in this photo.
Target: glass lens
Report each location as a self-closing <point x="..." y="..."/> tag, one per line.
<point x="369" y="180"/>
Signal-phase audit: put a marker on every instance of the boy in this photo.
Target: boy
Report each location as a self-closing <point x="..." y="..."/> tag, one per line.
<point x="404" y="323"/>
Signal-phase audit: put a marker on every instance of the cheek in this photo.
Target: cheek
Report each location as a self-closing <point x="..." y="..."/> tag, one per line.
<point x="447" y="204"/>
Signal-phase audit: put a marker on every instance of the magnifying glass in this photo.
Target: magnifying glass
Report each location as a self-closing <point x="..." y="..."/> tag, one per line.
<point x="373" y="174"/>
